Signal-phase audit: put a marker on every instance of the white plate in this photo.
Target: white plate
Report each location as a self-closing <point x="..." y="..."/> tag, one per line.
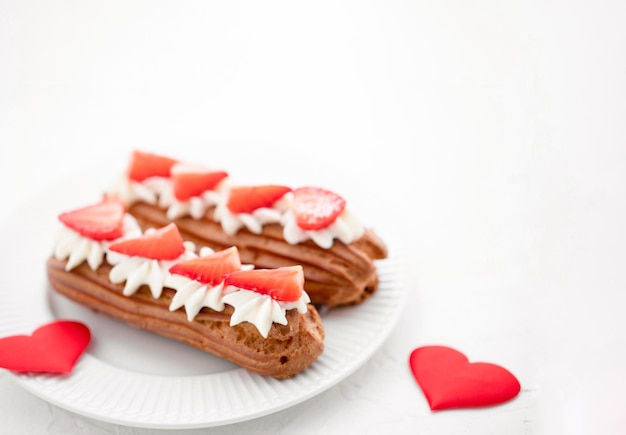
<point x="135" y="378"/>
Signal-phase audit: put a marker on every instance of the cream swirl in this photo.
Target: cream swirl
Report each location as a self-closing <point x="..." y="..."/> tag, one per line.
<point x="76" y="248"/>
<point x="195" y="295"/>
<point x="346" y="228"/>
<point x="261" y="310"/>
<point x="196" y="206"/>
<point x="150" y="190"/>
<point x="138" y="271"/>
<point x="233" y="222"/>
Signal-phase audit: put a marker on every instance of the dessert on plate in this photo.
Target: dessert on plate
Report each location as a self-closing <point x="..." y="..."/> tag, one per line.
<point x="151" y="278"/>
<point x="271" y="225"/>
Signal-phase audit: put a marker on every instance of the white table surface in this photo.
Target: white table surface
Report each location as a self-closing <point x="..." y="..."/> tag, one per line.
<point x="496" y="128"/>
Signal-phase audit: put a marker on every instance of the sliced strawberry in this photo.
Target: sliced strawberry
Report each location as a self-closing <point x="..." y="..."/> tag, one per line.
<point x="165" y="243"/>
<point x="210" y="269"/>
<point x="189" y="181"/>
<point x="144" y="165"/>
<point x="315" y="208"/>
<point x="246" y="199"/>
<point x="282" y="284"/>
<point x="101" y="221"/>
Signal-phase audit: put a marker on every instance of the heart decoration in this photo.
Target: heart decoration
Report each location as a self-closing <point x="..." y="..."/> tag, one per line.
<point x="52" y="348"/>
<point x="449" y="380"/>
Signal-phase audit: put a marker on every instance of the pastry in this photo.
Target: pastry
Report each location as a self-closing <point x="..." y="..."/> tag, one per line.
<point x="260" y="319"/>
<point x="272" y="225"/>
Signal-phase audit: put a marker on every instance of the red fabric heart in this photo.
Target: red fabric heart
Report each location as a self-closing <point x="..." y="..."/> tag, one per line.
<point x="449" y="380"/>
<point x="52" y="348"/>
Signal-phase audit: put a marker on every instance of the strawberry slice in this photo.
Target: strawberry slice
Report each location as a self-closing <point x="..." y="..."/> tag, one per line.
<point x="190" y="180"/>
<point x="246" y="199"/>
<point x="210" y="269"/>
<point x="315" y="208"/>
<point x="165" y="243"/>
<point x="282" y="284"/>
<point x="101" y="221"/>
<point x="145" y="165"/>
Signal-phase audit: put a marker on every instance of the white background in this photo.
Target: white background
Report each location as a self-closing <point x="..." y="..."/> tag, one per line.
<point x="495" y="129"/>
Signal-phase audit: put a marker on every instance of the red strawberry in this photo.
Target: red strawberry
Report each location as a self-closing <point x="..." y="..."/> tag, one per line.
<point x="282" y="284"/>
<point x="210" y="269"/>
<point x="315" y="208"/>
<point x="101" y="221"/>
<point x="246" y="199"/>
<point x="165" y="243"/>
<point x="189" y="181"/>
<point x="144" y="165"/>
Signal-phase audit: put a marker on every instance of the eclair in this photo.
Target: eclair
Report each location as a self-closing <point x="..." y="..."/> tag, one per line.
<point x="259" y="319"/>
<point x="271" y="225"/>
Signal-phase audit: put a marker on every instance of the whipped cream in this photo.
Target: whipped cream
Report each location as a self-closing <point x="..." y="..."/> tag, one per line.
<point x="152" y="190"/>
<point x="233" y="222"/>
<point x="261" y="310"/>
<point x="346" y="228"/>
<point x="138" y="271"/>
<point x="196" y="206"/>
<point x="77" y="248"/>
<point x="249" y="306"/>
<point x="195" y="295"/>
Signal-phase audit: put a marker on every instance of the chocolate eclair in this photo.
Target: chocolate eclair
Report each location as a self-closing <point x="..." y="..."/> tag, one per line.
<point x="259" y="319"/>
<point x="271" y="225"/>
